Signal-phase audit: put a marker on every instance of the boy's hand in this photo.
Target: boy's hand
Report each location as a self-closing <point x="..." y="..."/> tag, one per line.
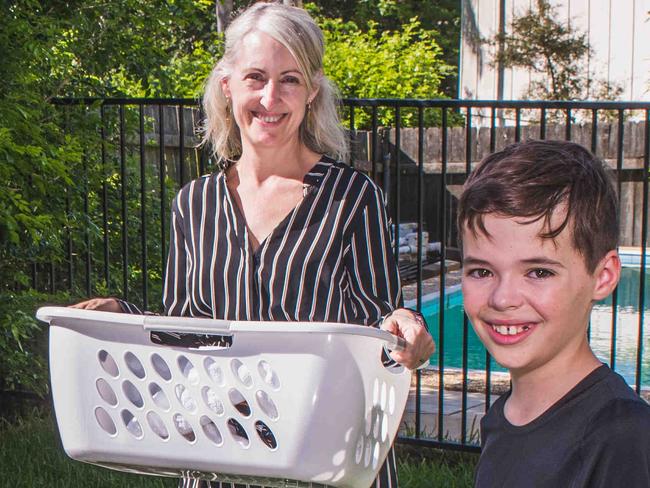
<point x="412" y="328"/>
<point x="100" y="304"/>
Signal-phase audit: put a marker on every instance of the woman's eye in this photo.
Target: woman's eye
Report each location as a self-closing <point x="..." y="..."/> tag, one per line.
<point x="254" y="77"/>
<point x="291" y="80"/>
<point x="540" y="273"/>
<point x="479" y="273"/>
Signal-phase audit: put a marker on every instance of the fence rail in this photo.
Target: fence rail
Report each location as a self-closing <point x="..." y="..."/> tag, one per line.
<point x="140" y="151"/>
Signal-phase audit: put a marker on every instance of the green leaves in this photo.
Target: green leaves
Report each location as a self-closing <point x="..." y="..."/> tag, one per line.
<point x="539" y="43"/>
<point x="384" y="64"/>
<point x="23" y="342"/>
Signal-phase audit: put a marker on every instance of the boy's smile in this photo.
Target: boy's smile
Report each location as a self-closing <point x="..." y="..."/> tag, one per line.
<point x="528" y="298"/>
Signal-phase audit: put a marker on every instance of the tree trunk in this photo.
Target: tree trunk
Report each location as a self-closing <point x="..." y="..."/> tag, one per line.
<point x="224" y="10"/>
<point x="293" y="3"/>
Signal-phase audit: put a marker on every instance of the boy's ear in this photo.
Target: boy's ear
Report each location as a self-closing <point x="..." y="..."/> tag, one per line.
<point x="607" y="274"/>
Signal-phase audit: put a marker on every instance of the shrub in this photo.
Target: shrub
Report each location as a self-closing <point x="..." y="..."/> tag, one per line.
<point x="389" y="64"/>
<point x="23" y="341"/>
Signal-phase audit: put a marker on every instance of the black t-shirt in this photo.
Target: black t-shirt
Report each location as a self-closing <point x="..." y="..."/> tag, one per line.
<point x="597" y="435"/>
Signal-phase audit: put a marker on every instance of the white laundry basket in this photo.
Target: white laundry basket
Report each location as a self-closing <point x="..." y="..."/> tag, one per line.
<point x="285" y="404"/>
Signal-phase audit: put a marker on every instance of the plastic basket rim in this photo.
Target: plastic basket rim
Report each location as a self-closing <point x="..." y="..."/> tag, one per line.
<point x="59" y="316"/>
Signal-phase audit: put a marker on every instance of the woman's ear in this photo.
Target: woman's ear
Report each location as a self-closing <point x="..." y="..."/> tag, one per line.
<point x="607" y="274"/>
<point x="318" y="78"/>
<point x="224" y="87"/>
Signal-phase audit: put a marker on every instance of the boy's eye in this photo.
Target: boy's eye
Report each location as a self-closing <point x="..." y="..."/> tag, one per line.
<point x="540" y="273"/>
<point x="479" y="273"/>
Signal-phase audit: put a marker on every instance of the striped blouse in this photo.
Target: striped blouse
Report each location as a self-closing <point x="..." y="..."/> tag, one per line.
<point x="330" y="259"/>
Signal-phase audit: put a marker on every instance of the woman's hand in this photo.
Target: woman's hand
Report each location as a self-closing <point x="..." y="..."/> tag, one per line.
<point x="411" y="327"/>
<point x="100" y="304"/>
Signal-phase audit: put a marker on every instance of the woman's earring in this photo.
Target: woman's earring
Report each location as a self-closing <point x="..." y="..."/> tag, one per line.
<point x="228" y="110"/>
<point x="308" y="112"/>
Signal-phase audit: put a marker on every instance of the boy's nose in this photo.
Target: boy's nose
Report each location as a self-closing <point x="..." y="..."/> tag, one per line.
<point x="270" y="95"/>
<point x="505" y="295"/>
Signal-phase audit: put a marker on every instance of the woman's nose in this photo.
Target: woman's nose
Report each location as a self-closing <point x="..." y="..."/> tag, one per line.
<point x="505" y="295"/>
<point x="270" y="95"/>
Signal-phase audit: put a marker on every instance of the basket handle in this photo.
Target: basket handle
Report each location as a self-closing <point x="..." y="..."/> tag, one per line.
<point x="394" y="343"/>
<point x="187" y="324"/>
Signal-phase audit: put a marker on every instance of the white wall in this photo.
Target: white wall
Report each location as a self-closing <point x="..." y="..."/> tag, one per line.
<point x="617" y="30"/>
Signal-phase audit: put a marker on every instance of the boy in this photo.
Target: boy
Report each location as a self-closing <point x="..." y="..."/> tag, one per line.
<point x="539" y="230"/>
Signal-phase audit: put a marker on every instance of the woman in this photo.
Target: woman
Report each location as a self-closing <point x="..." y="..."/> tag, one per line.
<point x="282" y="232"/>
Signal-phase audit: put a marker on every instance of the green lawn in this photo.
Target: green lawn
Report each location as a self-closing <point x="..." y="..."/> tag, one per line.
<point x="31" y="456"/>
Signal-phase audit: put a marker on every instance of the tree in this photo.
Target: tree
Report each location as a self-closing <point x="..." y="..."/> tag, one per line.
<point x="224" y="10"/>
<point x="402" y="63"/>
<point x="72" y="48"/>
<point x="539" y="43"/>
<point x="441" y="19"/>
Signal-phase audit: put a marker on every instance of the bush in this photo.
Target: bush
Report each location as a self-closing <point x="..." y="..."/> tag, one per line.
<point x="23" y="341"/>
<point x="389" y="64"/>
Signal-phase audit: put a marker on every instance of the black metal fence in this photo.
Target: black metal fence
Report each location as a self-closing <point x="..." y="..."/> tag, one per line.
<point x="138" y="152"/>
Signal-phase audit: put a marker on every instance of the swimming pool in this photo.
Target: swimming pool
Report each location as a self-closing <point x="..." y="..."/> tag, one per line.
<point x="624" y="344"/>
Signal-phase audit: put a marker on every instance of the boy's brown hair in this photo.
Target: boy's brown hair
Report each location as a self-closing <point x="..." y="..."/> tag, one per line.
<point x="531" y="179"/>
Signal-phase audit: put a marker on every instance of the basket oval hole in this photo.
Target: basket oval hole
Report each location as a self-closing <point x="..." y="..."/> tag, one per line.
<point x="368" y="452"/>
<point x="132" y="424"/>
<point x="184" y="428"/>
<point x="160" y="366"/>
<point x="375" y="392"/>
<point x="375" y="456"/>
<point x="214" y="371"/>
<point x="268" y="375"/>
<point x="376" y="418"/>
<point x="241" y="372"/>
<point x="105" y="421"/>
<point x="158" y="396"/>
<point x="266" y="404"/>
<point x="157" y="425"/>
<point x="266" y="434"/>
<point x="132" y="393"/>
<point x="383" y="396"/>
<point x="210" y="430"/>
<point x="188" y="370"/>
<point x="184" y="398"/>
<point x="358" y="454"/>
<point x="368" y="420"/>
<point x="106" y="392"/>
<point x="391" y="400"/>
<point x="108" y="364"/>
<point x="134" y="364"/>
<point x="384" y="428"/>
<point x="239" y="402"/>
<point x="238" y="433"/>
<point x="212" y="400"/>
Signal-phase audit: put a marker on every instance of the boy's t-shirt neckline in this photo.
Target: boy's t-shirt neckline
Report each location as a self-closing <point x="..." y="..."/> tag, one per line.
<point x="587" y="382"/>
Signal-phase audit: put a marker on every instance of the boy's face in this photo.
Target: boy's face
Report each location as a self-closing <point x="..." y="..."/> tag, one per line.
<point x="528" y="298"/>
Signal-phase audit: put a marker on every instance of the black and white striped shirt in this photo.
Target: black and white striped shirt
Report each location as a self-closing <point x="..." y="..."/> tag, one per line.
<point x="329" y="260"/>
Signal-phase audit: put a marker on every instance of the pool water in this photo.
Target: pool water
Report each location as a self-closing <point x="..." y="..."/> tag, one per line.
<point x="600" y="333"/>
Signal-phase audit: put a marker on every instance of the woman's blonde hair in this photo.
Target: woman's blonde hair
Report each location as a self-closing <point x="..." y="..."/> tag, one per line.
<point x="294" y="28"/>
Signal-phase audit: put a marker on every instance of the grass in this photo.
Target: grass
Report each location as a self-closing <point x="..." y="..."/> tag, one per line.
<point x="441" y="472"/>
<point x="31" y="456"/>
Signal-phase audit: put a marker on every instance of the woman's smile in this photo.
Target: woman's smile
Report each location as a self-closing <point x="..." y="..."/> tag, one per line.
<point x="268" y="118"/>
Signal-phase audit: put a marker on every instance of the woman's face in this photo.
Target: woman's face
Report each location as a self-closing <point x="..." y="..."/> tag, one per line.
<point x="268" y="93"/>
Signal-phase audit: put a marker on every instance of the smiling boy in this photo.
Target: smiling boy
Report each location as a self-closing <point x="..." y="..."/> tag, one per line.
<point x="539" y="230"/>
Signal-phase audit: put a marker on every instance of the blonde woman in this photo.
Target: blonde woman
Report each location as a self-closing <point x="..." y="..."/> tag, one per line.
<point x="283" y="231"/>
